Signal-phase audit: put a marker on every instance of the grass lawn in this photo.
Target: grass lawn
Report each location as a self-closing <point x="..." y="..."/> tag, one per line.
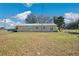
<point x="39" y="43"/>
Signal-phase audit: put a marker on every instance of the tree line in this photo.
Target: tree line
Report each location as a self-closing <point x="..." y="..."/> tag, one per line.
<point x="59" y="20"/>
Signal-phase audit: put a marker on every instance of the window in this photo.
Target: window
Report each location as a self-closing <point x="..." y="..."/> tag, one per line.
<point x="36" y="27"/>
<point x="51" y="28"/>
<point x="43" y="27"/>
<point x="16" y="27"/>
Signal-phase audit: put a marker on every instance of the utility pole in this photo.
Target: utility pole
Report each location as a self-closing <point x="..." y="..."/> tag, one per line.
<point x="42" y="15"/>
<point x="4" y="23"/>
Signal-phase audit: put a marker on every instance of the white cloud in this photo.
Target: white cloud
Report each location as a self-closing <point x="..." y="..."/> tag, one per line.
<point x="72" y="15"/>
<point x="67" y="21"/>
<point x="8" y="21"/>
<point x="27" y="4"/>
<point x="13" y="24"/>
<point x="23" y="16"/>
<point x="18" y="23"/>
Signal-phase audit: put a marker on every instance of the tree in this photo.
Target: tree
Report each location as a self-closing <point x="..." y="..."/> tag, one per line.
<point x="43" y="19"/>
<point x="38" y="19"/>
<point x="73" y="25"/>
<point x="59" y="21"/>
<point x="31" y="19"/>
<point x="78" y="23"/>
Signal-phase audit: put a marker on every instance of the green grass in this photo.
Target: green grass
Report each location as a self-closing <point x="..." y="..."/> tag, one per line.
<point x="39" y="43"/>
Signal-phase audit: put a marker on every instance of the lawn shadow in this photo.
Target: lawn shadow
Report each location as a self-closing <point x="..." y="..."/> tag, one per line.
<point x="73" y="33"/>
<point x="5" y="33"/>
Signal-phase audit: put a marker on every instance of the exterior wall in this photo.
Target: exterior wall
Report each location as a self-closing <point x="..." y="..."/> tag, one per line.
<point x="22" y="28"/>
<point x="37" y="28"/>
<point x="47" y="28"/>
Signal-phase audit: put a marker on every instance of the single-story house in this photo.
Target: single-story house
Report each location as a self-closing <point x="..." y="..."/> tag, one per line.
<point x="36" y="27"/>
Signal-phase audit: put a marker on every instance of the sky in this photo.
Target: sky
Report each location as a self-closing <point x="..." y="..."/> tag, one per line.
<point x="15" y="13"/>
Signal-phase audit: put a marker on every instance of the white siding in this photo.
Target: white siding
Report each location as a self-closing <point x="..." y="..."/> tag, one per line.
<point x="47" y="27"/>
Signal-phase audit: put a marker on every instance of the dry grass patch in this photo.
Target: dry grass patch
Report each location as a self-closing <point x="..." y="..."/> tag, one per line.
<point x="39" y="43"/>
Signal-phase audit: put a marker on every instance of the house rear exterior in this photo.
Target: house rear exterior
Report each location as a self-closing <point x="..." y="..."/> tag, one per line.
<point x="37" y="27"/>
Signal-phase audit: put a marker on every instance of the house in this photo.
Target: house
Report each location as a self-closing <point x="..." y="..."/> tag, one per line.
<point x="2" y="29"/>
<point x="36" y="27"/>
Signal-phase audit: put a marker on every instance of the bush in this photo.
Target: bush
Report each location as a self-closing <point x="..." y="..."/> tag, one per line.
<point x="13" y="30"/>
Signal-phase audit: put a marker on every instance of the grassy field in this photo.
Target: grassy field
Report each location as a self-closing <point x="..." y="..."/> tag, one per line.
<point x="39" y="43"/>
